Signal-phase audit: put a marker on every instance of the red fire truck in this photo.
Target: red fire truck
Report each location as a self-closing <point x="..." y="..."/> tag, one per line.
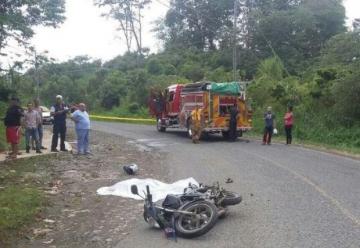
<point x="172" y="107"/>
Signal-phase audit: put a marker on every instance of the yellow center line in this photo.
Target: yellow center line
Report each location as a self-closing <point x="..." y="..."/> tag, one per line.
<point x="120" y="118"/>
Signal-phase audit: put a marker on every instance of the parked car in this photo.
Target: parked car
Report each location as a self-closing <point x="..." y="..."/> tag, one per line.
<point x="47" y="118"/>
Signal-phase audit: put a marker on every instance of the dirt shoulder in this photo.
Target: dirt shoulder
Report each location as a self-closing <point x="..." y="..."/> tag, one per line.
<point x="75" y="215"/>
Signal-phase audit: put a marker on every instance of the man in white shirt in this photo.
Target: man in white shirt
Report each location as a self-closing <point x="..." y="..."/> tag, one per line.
<point x="82" y="128"/>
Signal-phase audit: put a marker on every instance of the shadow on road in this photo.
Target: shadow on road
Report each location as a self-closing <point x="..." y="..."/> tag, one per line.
<point x="208" y="138"/>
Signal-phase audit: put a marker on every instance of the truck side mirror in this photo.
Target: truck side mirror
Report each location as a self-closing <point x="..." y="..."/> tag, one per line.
<point x="134" y="190"/>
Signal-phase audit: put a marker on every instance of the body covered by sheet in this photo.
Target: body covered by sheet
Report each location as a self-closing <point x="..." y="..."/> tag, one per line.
<point x="158" y="189"/>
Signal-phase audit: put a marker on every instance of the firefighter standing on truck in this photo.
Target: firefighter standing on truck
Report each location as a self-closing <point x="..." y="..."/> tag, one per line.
<point x="196" y="124"/>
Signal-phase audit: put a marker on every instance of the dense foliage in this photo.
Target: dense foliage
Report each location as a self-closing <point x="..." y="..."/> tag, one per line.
<point x="295" y="52"/>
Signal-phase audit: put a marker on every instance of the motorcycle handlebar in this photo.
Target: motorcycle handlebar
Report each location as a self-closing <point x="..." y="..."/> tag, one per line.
<point x="149" y="196"/>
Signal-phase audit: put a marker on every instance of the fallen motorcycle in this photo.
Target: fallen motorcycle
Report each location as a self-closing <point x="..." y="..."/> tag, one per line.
<point x="190" y="214"/>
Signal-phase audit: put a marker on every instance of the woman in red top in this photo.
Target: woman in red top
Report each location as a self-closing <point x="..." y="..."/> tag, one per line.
<point x="289" y="120"/>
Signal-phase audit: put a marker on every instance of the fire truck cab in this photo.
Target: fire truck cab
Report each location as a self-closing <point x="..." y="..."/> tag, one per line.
<point x="172" y="108"/>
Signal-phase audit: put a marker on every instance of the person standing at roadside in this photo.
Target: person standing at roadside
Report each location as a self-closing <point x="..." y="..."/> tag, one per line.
<point x="82" y="128"/>
<point x="196" y="124"/>
<point x="31" y="123"/>
<point x="38" y="109"/>
<point x="59" y="111"/>
<point x="270" y="125"/>
<point x="234" y="112"/>
<point x="288" y="123"/>
<point x="12" y="121"/>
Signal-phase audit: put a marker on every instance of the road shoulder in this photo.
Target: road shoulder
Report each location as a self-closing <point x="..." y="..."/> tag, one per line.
<point x="75" y="215"/>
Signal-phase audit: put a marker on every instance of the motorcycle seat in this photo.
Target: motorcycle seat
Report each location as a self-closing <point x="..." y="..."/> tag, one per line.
<point x="172" y="202"/>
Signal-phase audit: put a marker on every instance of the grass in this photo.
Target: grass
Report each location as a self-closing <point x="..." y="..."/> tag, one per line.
<point x="18" y="206"/>
<point x="21" y="195"/>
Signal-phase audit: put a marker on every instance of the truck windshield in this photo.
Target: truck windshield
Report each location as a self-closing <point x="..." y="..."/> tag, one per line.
<point x="171" y="96"/>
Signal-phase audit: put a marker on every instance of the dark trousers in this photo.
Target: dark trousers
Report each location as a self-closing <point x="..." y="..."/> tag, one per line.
<point x="232" y="130"/>
<point x="288" y="131"/>
<point x="268" y="132"/>
<point x="58" y="129"/>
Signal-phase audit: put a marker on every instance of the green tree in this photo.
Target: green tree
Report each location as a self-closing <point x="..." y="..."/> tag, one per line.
<point x="199" y="24"/>
<point x="342" y="49"/>
<point x="356" y="25"/>
<point x="17" y="18"/>
<point x="274" y="86"/>
<point x="138" y="83"/>
<point x="192" y="71"/>
<point x="295" y="31"/>
<point x="154" y="66"/>
<point x="128" y="13"/>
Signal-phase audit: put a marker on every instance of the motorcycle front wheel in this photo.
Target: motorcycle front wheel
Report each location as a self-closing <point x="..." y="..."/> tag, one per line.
<point x="191" y="226"/>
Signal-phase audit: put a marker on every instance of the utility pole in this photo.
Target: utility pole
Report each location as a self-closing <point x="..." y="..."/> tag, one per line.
<point x="37" y="75"/>
<point x="235" y="40"/>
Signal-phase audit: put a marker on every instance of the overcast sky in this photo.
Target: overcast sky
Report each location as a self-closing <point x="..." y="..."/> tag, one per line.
<point x="85" y="32"/>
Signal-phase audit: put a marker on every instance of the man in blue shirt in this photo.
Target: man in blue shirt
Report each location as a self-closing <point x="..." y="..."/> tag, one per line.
<point x="82" y="128"/>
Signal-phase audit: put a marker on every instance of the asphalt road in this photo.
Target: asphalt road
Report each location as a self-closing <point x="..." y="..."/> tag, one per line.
<point x="292" y="196"/>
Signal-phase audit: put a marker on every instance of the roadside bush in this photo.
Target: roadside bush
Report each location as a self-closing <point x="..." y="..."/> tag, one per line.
<point x="133" y="108"/>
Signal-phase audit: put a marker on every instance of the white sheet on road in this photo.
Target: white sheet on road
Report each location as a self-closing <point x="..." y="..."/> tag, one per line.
<point x="158" y="189"/>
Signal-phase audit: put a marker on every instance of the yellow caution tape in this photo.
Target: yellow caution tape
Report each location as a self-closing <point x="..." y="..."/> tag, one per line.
<point x="120" y="118"/>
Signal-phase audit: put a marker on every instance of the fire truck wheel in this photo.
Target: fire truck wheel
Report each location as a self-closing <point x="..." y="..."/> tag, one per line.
<point x="225" y="134"/>
<point x="159" y="127"/>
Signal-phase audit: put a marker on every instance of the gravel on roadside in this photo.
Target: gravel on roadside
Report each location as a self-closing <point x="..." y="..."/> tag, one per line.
<point x="77" y="216"/>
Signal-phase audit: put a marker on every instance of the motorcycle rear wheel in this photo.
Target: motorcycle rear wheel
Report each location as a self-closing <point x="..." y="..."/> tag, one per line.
<point x="188" y="226"/>
<point x="230" y="199"/>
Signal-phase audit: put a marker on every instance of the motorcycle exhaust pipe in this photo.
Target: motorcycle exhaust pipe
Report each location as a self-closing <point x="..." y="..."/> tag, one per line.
<point x="177" y="211"/>
<point x="222" y="211"/>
